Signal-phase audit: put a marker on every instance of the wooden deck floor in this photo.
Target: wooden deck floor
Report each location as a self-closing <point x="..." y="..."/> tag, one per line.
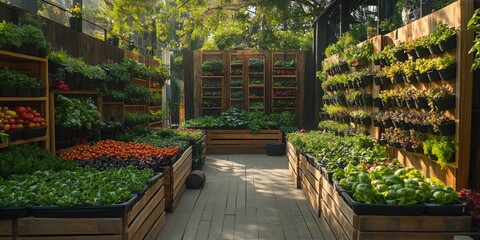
<point x="245" y="197"/>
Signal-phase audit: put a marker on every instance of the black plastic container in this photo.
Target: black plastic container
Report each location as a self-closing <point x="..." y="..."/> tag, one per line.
<point x="449" y="43"/>
<point x="116" y="210"/>
<point x="383" y="209"/>
<point x="14" y="212"/>
<point x="34" y="132"/>
<point x="433" y="75"/>
<point x="454" y="209"/>
<point x="24" y="92"/>
<point x="422" y="77"/>
<point x="447" y="129"/>
<point x="15" y="134"/>
<point x="422" y="51"/>
<point x="276" y="149"/>
<point x="435" y="49"/>
<point x="8" y="91"/>
<point x="449" y="73"/>
<point x="421" y="103"/>
<point x="401" y="56"/>
<point x="445" y="103"/>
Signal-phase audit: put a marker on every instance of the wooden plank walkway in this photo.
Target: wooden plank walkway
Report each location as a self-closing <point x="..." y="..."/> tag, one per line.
<point x="249" y="196"/>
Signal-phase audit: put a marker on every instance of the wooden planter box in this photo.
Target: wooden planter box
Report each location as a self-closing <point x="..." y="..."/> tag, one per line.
<point x="345" y="224"/>
<point x="311" y="182"/>
<point x="144" y="220"/>
<point x="229" y="141"/>
<point x="294" y="164"/>
<point x="175" y="177"/>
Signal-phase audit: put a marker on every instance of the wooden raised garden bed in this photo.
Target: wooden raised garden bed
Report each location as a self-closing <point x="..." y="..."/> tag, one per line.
<point x="175" y="178"/>
<point x="345" y="224"/>
<point x="142" y="220"/>
<point x="225" y="141"/>
<point x="311" y="181"/>
<point x="293" y="164"/>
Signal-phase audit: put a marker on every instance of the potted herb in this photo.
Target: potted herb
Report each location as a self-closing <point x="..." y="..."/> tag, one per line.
<point x="421" y="101"/>
<point x="446" y="37"/>
<point x="399" y="52"/>
<point x="421" y="46"/>
<point x="441" y="98"/>
<point x="33" y="38"/>
<point x="422" y="66"/>
<point x="394" y="72"/>
<point x="441" y="124"/>
<point x="114" y="96"/>
<point x="409" y="71"/>
<point x="155" y="99"/>
<point x="362" y="117"/>
<point x="442" y="148"/>
<point x="10" y="36"/>
<point x="446" y="67"/>
<point x="358" y="56"/>
<point x="76" y="17"/>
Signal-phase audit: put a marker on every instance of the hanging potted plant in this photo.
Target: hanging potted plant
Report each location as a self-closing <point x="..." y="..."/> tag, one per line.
<point x="446" y="67"/>
<point x="447" y="39"/>
<point x="400" y="52"/>
<point x="394" y="73"/>
<point x="441" y="98"/>
<point x="422" y="66"/>
<point x="441" y="124"/>
<point x="442" y="148"/>
<point x="421" y="47"/>
<point x="409" y="71"/>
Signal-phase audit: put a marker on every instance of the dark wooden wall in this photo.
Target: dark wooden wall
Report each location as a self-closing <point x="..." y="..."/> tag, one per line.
<point x="93" y="50"/>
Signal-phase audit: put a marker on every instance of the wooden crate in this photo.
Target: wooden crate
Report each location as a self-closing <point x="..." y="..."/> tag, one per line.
<point x="345" y="224"/>
<point x="311" y="181"/>
<point x="227" y="141"/>
<point x="175" y="178"/>
<point x="143" y="221"/>
<point x="6" y="228"/>
<point x="293" y="164"/>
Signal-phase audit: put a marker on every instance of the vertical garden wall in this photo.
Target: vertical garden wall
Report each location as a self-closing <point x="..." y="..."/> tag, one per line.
<point x="385" y="92"/>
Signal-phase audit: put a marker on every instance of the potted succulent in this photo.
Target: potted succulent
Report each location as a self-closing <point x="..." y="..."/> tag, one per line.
<point x="441" y="98"/>
<point x="446" y="67"/>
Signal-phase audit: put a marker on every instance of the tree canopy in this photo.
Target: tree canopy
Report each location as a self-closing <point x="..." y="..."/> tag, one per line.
<point x="216" y="24"/>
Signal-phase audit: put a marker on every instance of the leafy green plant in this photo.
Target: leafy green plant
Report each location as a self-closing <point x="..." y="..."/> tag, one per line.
<point x="281" y="63"/>
<point x="335" y="110"/>
<point x="444" y="62"/>
<point x="212" y="65"/>
<point x="116" y="74"/>
<point x="256" y="62"/>
<point x="74" y="188"/>
<point x="29" y="158"/>
<point x="76" y="112"/>
<point x="441" y="33"/>
<point x="443" y="148"/>
<point x="136" y="118"/>
<point x="10" y="35"/>
<point x="11" y="78"/>
<point x="473" y="24"/>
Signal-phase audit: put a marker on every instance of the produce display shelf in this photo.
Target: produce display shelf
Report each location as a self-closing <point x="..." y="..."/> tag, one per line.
<point x="75" y="92"/>
<point x="22" y="141"/>
<point x="212" y="77"/>
<point x="133" y="105"/>
<point x="21" y="57"/>
<point x="236" y="87"/>
<point x="212" y="87"/>
<point x="285" y="97"/>
<point x="23" y="99"/>
<point x="212" y="96"/>
<point x="256" y="86"/>
<point x="239" y="76"/>
<point x="284" y="76"/>
<point x="284" y="67"/>
<point x="211" y="107"/>
<point x="112" y="103"/>
<point x="284" y="87"/>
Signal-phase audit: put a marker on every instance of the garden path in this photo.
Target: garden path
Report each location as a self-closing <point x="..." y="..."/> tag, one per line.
<point x="249" y="196"/>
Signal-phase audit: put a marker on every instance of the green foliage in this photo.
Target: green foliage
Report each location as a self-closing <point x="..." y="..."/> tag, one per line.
<point x="212" y="65"/>
<point x="73" y="188"/>
<point x="136" y="118"/>
<point x="11" y="78"/>
<point x="473" y="24"/>
<point x="29" y="158"/>
<point x="443" y="148"/>
<point x="77" y="65"/>
<point x="76" y="112"/>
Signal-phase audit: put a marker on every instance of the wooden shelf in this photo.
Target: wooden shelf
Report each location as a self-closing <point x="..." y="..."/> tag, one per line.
<point x="22" y="141"/>
<point x="112" y="103"/>
<point x="286" y="68"/>
<point x="155" y="107"/>
<point x="256" y="86"/>
<point x="285" y="97"/>
<point x="211" y="76"/>
<point x="284" y="76"/>
<point x="155" y="123"/>
<point x="236" y="99"/>
<point x="255" y="97"/>
<point x="212" y="97"/>
<point x="86" y="92"/>
<point x="284" y="87"/>
<point x="236" y="87"/>
<point x="22" y="57"/>
<point x="212" y="87"/>
<point x="239" y="76"/>
<point x="285" y="108"/>
<point x="23" y="99"/>
<point x="133" y="105"/>
<point x="212" y="108"/>
<point x="139" y="79"/>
